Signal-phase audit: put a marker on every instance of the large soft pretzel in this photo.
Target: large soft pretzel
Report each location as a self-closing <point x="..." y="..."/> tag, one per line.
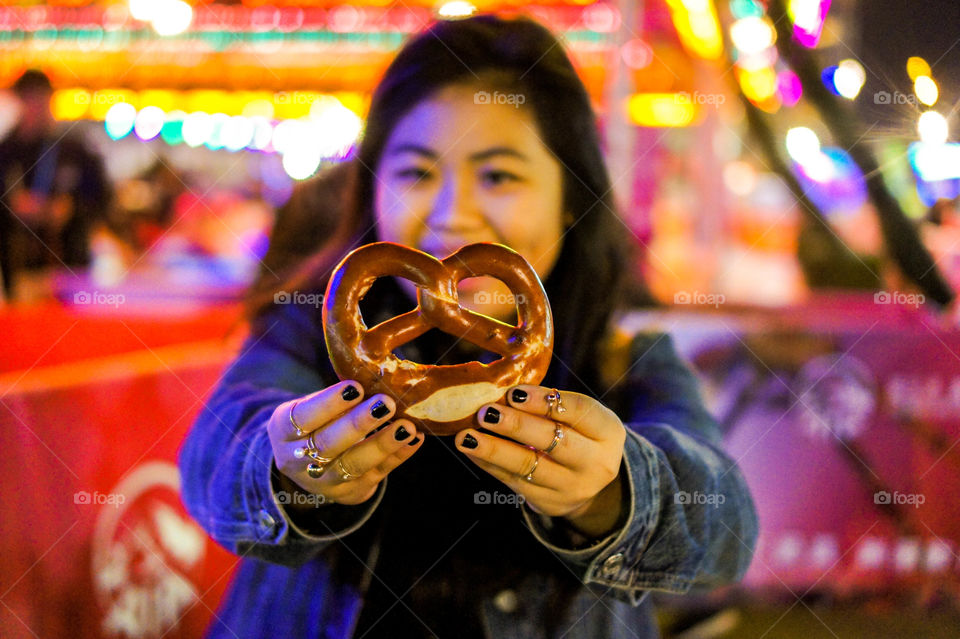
<point x="441" y="400"/>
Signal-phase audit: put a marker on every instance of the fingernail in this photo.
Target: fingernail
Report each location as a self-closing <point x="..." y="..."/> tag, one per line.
<point x="492" y="416"/>
<point x="518" y="395"/>
<point x="401" y="434"/>
<point x="469" y="442"/>
<point x="414" y="441"/>
<point x="349" y="394"/>
<point x="379" y="409"/>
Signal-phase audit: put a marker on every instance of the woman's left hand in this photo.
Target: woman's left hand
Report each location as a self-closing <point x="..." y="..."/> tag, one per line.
<point x="579" y="479"/>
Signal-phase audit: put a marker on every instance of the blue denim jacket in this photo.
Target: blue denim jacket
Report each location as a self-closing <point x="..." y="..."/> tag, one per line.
<point x="691" y="520"/>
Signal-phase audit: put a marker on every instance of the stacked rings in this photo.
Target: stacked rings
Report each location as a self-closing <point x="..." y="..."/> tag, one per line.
<point x="557" y="436"/>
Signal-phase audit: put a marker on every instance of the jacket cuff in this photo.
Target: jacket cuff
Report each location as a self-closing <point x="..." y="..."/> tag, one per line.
<point x="274" y="524"/>
<point x="612" y="561"/>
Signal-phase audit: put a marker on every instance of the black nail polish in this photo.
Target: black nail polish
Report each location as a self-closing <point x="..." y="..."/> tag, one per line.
<point x="470" y="442"/>
<point x="492" y="416"/>
<point x="401" y="434"/>
<point x="518" y="395"/>
<point x="413" y="442"/>
<point x="349" y="394"/>
<point x="379" y="409"/>
<point x="378" y="429"/>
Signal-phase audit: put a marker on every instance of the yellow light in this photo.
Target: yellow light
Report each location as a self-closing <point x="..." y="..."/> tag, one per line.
<point x="752" y="35"/>
<point x="933" y="128"/>
<point x="917" y="66"/>
<point x="661" y="109"/>
<point x="926" y="89"/>
<point x="456" y="9"/>
<point x="698" y="27"/>
<point x="102" y="101"/>
<point x="758" y="85"/>
<point x="70" y="104"/>
<point x="849" y="78"/>
<point x="261" y="107"/>
<point x="162" y="98"/>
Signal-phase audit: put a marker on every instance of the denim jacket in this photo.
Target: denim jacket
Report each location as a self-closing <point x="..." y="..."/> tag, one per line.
<point x="690" y="521"/>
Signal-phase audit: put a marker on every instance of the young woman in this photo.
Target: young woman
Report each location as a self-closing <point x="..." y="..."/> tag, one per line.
<point x="480" y="131"/>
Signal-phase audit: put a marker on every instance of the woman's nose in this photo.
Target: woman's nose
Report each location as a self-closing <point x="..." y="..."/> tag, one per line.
<point x="454" y="206"/>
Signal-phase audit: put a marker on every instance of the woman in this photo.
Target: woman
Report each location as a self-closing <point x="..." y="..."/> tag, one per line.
<point x="480" y="130"/>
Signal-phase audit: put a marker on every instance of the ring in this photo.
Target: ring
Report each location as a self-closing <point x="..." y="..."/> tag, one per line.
<point x="345" y="474"/>
<point x="314" y="452"/>
<point x="553" y="400"/>
<point x="529" y="475"/>
<point x="557" y="436"/>
<point x="315" y="470"/>
<point x="293" y="421"/>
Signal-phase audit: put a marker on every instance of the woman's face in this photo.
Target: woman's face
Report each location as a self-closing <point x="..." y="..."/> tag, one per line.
<point x="458" y="170"/>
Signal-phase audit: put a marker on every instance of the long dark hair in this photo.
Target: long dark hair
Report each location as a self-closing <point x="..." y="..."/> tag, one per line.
<point x="514" y="55"/>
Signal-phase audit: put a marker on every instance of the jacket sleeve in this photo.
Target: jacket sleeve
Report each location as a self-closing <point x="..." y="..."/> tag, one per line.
<point x="226" y="461"/>
<point x="689" y="518"/>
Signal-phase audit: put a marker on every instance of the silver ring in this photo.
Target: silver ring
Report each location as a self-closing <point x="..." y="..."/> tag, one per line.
<point x="529" y="475"/>
<point x="554" y="401"/>
<point x="315" y="470"/>
<point x="557" y="436"/>
<point x="293" y="421"/>
<point x="345" y="474"/>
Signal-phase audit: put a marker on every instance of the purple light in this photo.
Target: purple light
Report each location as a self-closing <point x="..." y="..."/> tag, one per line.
<point x="791" y="90"/>
<point x="808" y="17"/>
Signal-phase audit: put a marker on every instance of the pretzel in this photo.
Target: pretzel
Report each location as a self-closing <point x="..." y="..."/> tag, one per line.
<point x="441" y="400"/>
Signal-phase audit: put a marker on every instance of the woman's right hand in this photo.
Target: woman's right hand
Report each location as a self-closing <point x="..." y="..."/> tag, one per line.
<point x="340" y="420"/>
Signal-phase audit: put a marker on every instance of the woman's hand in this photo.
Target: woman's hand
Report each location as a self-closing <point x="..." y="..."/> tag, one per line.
<point x="580" y="477"/>
<point x="338" y="424"/>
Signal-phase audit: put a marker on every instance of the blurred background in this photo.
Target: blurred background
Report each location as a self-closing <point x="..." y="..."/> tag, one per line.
<point x="790" y="173"/>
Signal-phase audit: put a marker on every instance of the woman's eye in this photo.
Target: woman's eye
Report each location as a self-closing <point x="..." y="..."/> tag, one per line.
<point x="497" y="178"/>
<point x="414" y="173"/>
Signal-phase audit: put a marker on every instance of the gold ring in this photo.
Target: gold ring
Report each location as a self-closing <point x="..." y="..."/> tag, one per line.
<point x="293" y="421"/>
<point x="528" y="476"/>
<point x="554" y="401"/>
<point x="345" y="474"/>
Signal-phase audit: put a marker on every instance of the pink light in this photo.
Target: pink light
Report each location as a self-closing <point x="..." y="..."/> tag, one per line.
<point x="790" y="87"/>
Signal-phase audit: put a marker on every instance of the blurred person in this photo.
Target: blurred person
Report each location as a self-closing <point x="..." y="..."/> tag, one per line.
<point x="54" y="190"/>
<point x="521" y="526"/>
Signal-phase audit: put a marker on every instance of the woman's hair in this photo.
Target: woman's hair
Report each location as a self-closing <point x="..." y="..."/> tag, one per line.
<point x="518" y="56"/>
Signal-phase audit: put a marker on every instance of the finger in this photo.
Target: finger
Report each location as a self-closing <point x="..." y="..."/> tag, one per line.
<point x="363" y="460"/>
<point x="312" y="411"/>
<point x="530" y="491"/>
<point x="353" y="426"/>
<point x="514" y="459"/>
<point x="539" y="432"/>
<point x="585" y="414"/>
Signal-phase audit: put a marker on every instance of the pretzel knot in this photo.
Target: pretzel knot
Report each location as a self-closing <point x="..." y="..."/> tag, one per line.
<point x="441" y="400"/>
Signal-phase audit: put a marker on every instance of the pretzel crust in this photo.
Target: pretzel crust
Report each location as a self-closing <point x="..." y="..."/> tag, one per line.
<point x="441" y="400"/>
